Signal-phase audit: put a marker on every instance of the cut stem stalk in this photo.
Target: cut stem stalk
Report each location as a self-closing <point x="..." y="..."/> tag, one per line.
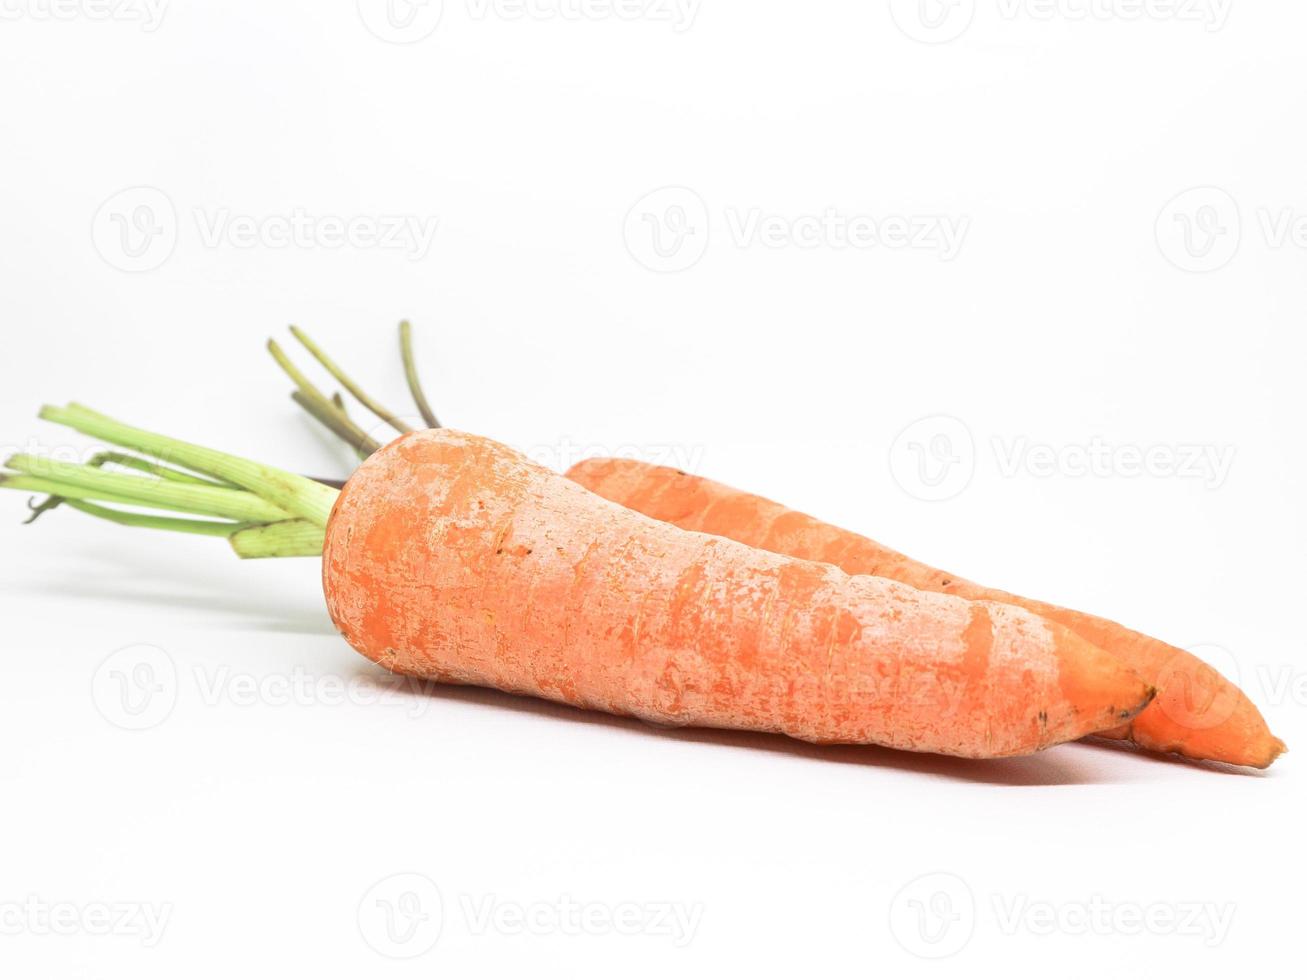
<point x="411" y="374"/>
<point x="237" y="505"/>
<point x="154" y="469"/>
<point x="348" y="383"/>
<point x="65" y="492"/>
<point x="337" y="421"/>
<point x="130" y="462"/>
<point x="217" y="529"/>
<point x="287" y="539"/>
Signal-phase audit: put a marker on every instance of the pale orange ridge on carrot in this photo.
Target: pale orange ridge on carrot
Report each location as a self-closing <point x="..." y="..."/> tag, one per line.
<point x="1197" y="713"/>
<point x="455" y="558"/>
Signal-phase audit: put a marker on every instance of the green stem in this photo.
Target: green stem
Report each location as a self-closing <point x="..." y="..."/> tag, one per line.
<point x="130" y="462"/>
<point x="287" y="539"/>
<point x="339" y="402"/>
<point x="220" y="529"/>
<point x="301" y="380"/>
<point x="191" y="498"/>
<point x="294" y="494"/>
<point x="64" y="491"/>
<point x="330" y="412"/>
<point x="411" y="374"/>
<point x="154" y="469"/>
<point x="337" y="421"/>
<point x="366" y="400"/>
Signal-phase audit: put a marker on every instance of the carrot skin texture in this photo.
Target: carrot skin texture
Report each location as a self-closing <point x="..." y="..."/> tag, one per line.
<point x="1197" y="713"/>
<point x="457" y="559"/>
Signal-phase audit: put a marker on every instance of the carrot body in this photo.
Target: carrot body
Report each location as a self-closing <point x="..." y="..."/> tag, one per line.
<point x="454" y="558"/>
<point x="1197" y="713"/>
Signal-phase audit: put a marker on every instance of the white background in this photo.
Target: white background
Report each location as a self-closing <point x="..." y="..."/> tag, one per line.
<point x="1075" y="313"/>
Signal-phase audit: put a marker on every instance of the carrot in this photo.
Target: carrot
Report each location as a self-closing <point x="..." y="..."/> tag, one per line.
<point x="543" y="588"/>
<point x="451" y="557"/>
<point x="1197" y="714"/>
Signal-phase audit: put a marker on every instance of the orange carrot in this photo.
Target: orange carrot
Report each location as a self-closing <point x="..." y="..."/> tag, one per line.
<point x="451" y="557"/>
<point x="1197" y="714"/>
